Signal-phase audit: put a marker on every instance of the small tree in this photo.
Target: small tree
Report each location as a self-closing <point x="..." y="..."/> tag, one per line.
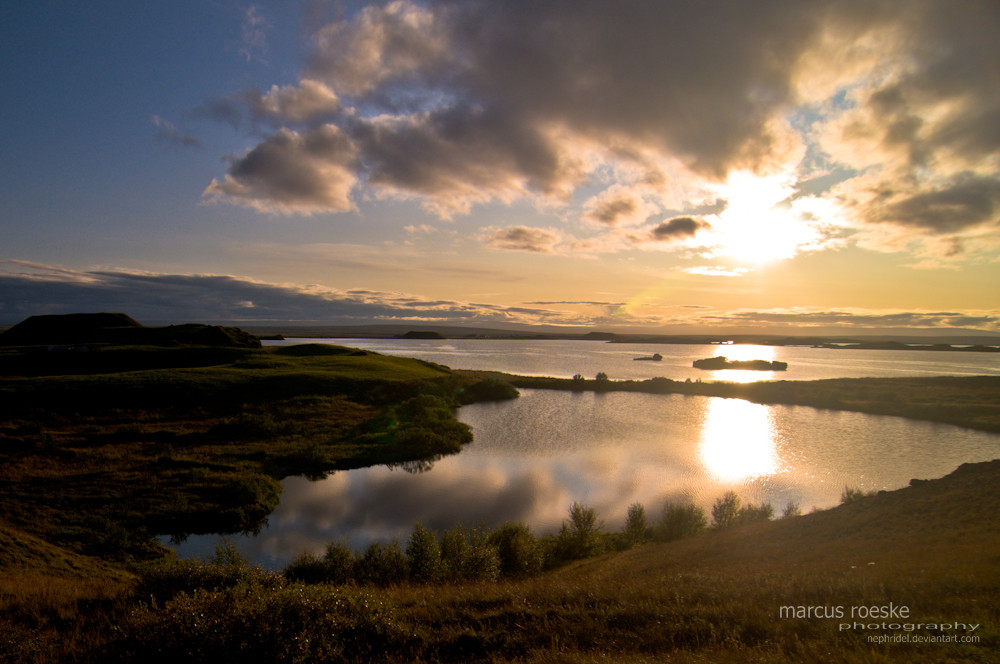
<point x="519" y="552"/>
<point x="726" y="511"/>
<point x="636" y="528"/>
<point x="751" y="513"/>
<point x="382" y="564"/>
<point x="678" y="521"/>
<point x="791" y="509"/>
<point x="579" y="537"/>
<point x="601" y="377"/>
<point x="423" y="555"/>
<point x="851" y="495"/>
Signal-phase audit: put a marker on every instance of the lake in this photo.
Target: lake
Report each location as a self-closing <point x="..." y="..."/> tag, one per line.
<point x="533" y="457"/>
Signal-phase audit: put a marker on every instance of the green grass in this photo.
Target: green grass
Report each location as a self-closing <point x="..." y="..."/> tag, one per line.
<point x="99" y="462"/>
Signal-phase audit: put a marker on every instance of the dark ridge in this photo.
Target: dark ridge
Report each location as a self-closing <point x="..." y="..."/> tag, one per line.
<point x="119" y="330"/>
<point x="422" y="334"/>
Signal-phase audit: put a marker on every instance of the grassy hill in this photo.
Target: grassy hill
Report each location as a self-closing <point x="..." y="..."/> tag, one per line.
<point x="728" y="596"/>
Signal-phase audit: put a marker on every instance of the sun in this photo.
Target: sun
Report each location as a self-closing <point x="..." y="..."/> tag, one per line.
<point x="760" y="223"/>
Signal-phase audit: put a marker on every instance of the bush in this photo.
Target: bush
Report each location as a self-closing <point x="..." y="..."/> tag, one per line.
<point x="339" y="561"/>
<point x="580" y="536"/>
<point x="751" y="513"/>
<point x="307" y="568"/>
<point x="791" y="509"/>
<point x="851" y="495"/>
<point x="726" y="510"/>
<point x="518" y="551"/>
<point x="678" y="521"/>
<point x="467" y="556"/>
<point x="382" y="564"/>
<point x="636" y="529"/>
<point x="423" y="555"/>
<point x="336" y="566"/>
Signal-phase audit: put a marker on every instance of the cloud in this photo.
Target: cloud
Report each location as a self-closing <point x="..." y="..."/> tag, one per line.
<point x="717" y="271"/>
<point x="678" y="227"/>
<point x="296" y="172"/>
<point x="522" y="238"/>
<point x="848" y="319"/>
<point x="306" y="102"/>
<point x="253" y="36"/>
<point x="169" y="134"/>
<point x="638" y="109"/>
<point x="462" y="103"/>
<point x="28" y="289"/>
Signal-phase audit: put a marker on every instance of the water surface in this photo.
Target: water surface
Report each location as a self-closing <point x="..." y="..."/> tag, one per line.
<point x="532" y="457"/>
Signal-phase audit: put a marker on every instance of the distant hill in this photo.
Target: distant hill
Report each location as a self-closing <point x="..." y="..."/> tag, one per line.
<point x="121" y="330"/>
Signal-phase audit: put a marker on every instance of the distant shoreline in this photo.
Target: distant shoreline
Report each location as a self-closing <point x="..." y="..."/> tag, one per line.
<point x="832" y="343"/>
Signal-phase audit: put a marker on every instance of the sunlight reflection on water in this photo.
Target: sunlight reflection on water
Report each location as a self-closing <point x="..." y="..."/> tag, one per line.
<point x="738" y="440"/>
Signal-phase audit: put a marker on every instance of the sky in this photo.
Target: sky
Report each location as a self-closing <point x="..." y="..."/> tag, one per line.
<point x="673" y="166"/>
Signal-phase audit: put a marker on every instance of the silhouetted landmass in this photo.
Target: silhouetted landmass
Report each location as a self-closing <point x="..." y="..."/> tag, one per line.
<point x="120" y="330"/>
<point x="719" y="362"/>
<point x="422" y="334"/>
<point x="967" y="341"/>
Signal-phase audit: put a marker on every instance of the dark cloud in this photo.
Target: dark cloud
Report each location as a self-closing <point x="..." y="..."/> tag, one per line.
<point x="678" y="227"/>
<point x="608" y="212"/>
<point x="969" y="200"/>
<point x="522" y="238"/>
<point x="291" y="171"/>
<point x="150" y="298"/>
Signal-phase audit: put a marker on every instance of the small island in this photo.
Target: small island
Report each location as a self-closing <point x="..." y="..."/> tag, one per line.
<point x="655" y="357"/>
<point x="720" y="362"/>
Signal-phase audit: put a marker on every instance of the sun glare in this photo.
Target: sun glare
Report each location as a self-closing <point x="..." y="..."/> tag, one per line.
<point x="759" y="225"/>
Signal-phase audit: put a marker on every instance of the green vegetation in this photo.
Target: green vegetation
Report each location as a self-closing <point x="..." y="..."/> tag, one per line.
<point x="176" y="441"/>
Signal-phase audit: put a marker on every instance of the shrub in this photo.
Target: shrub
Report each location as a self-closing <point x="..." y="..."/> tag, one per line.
<point x="726" y="510"/>
<point x="518" y="551"/>
<point x="382" y="564"/>
<point x="423" y="555"/>
<point x="467" y="556"/>
<point x="852" y="494"/>
<point x="678" y="521"/>
<point x="636" y="529"/>
<point x="791" y="509"/>
<point x="580" y="536"/>
<point x="339" y="561"/>
<point x="751" y="513"/>
<point x="306" y="567"/>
